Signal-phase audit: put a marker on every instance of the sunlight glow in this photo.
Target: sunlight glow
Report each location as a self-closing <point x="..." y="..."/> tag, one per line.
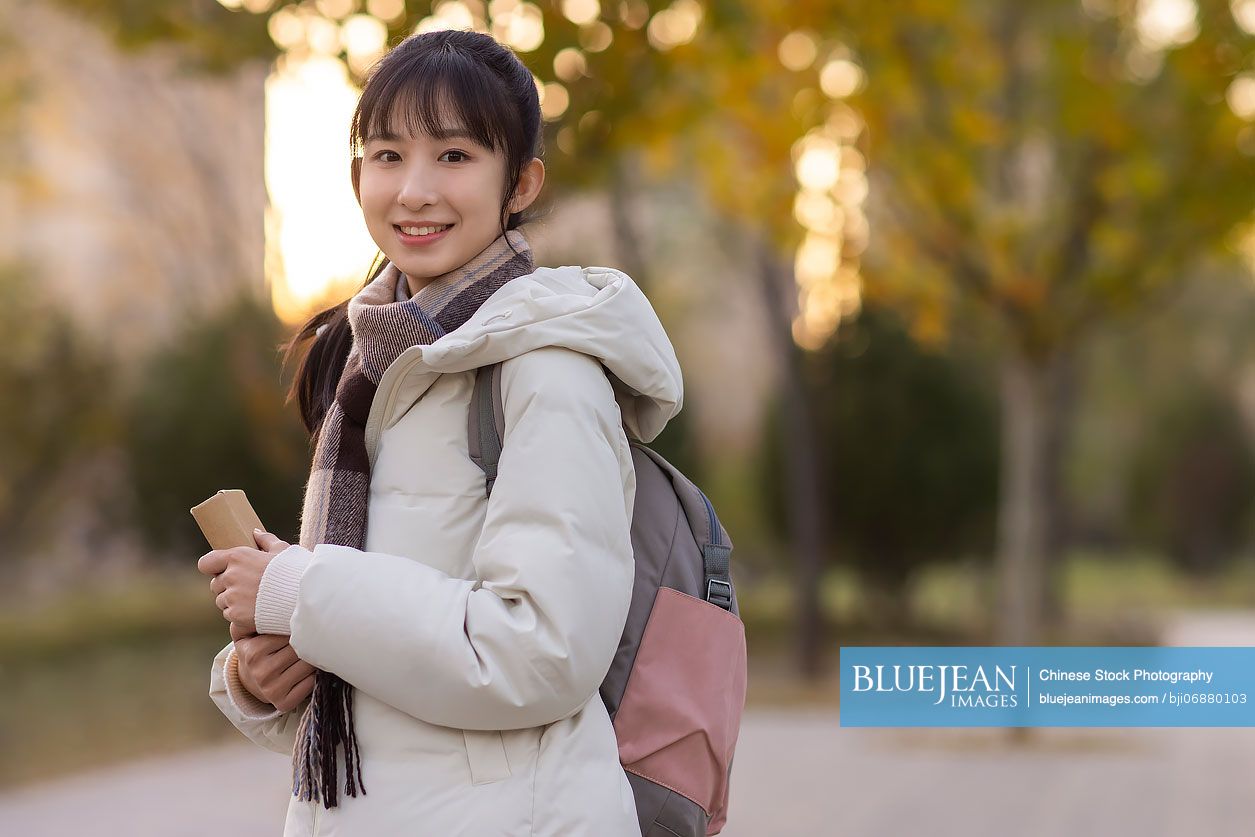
<point x="337" y="9"/>
<point x="581" y="12"/>
<point x="832" y="186"/>
<point x="363" y="34"/>
<point x="674" y="26"/>
<point x="634" y="13"/>
<point x="286" y="28"/>
<point x="554" y="100"/>
<point x="569" y="64"/>
<point x="840" y="78"/>
<point x="322" y="35"/>
<point x="596" y="36"/>
<point x="818" y="163"/>
<point x="1244" y="14"/>
<point x="519" y="25"/>
<point x="1241" y="96"/>
<point x="317" y="248"/>
<point x="448" y="15"/>
<point x="387" y="10"/>
<point x="1162" y="24"/>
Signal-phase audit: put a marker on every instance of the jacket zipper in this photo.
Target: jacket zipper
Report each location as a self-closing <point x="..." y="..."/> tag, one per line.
<point x="382" y="407"/>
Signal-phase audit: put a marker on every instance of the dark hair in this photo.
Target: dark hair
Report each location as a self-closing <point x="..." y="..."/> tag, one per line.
<point x="467" y="74"/>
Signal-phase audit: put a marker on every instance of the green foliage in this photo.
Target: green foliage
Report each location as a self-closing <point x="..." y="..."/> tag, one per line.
<point x="1193" y="482"/>
<point x="208" y="414"/>
<point x="910" y="452"/>
<point x="57" y="392"/>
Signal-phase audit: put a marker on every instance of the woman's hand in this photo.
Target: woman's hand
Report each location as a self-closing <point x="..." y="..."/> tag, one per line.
<point x="270" y="669"/>
<point x="236" y="575"/>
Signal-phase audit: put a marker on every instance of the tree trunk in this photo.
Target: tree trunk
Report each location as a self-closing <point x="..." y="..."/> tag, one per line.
<point x="627" y="244"/>
<point x="800" y="444"/>
<point x="1022" y="505"/>
<point x="1060" y="415"/>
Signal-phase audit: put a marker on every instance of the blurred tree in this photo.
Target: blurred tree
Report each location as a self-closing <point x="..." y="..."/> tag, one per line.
<point x="1051" y="165"/>
<point x="1193" y="482"/>
<point x="59" y="407"/>
<point x="1141" y="376"/>
<point x="213" y="39"/>
<point x="207" y="414"/>
<point x="911" y="456"/>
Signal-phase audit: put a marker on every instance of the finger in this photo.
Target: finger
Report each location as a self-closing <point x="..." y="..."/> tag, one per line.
<point x="212" y="563"/>
<point x="277" y="657"/>
<point x="267" y="541"/>
<point x="238" y="633"/>
<point x="293" y="675"/>
<point x="274" y="667"/>
<point x="298" y="693"/>
<point x="253" y="648"/>
<point x="267" y="644"/>
<point x="220" y="601"/>
<point x="283" y="657"/>
<point x="271" y="642"/>
<point x="242" y="616"/>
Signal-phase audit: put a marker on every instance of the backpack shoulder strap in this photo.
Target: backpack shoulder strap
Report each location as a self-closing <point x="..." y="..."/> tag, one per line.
<point x="486" y="423"/>
<point x="711" y="537"/>
<point x="485" y="438"/>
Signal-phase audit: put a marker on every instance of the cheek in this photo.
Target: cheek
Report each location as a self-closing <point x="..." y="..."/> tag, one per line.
<point x="374" y="197"/>
<point x="484" y="198"/>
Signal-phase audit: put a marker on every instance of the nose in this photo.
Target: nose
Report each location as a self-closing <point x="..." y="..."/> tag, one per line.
<point x="417" y="190"/>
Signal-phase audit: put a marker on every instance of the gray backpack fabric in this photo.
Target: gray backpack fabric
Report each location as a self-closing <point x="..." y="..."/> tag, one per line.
<point x="676" y="687"/>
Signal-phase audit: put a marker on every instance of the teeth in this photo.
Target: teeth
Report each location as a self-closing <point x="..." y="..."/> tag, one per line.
<point x="424" y="230"/>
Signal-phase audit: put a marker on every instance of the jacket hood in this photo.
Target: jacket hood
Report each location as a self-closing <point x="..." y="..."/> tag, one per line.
<point x="598" y="311"/>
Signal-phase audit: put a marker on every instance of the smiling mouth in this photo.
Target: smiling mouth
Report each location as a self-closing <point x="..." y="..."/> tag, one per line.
<point x="430" y="231"/>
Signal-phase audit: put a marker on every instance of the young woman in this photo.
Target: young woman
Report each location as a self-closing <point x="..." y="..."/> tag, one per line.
<point x="436" y="652"/>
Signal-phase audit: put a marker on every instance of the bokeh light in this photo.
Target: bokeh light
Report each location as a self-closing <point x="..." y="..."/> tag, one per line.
<point x="797" y="50"/>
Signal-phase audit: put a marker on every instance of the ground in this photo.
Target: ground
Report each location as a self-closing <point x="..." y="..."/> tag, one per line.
<point x="797" y="772"/>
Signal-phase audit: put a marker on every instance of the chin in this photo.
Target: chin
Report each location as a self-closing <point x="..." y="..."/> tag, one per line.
<point x="418" y="269"/>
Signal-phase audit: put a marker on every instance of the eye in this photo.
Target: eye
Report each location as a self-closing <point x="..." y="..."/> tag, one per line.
<point x="461" y="154"/>
<point x="380" y="155"/>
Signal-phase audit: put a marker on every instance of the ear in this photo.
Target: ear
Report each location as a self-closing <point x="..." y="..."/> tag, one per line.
<point x="531" y="179"/>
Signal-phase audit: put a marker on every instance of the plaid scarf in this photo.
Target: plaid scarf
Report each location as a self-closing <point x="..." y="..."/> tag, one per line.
<point x="337" y="492"/>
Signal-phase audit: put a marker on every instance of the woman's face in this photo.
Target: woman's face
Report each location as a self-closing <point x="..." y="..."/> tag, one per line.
<point x="423" y="181"/>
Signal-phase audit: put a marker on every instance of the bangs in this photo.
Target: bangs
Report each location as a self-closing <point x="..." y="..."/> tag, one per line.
<point x="431" y="94"/>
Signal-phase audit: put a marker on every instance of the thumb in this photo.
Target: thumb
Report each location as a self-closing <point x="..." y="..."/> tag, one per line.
<point x="265" y="540"/>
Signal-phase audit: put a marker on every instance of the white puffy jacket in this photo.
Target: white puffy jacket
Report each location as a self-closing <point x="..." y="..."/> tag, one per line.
<point x="477" y="633"/>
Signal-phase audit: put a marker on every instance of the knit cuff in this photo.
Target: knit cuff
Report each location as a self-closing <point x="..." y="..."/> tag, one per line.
<point x="280" y="586"/>
<point x="245" y="702"/>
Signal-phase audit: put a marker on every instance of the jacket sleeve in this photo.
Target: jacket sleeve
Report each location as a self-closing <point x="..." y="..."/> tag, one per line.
<point x="530" y="640"/>
<point x="261" y="722"/>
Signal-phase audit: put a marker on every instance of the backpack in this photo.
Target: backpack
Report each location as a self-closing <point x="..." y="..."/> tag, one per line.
<point x="676" y="687"/>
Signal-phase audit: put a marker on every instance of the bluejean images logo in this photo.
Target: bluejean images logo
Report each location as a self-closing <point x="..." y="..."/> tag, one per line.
<point x="1051" y="686"/>
<point x="974" y="687"/>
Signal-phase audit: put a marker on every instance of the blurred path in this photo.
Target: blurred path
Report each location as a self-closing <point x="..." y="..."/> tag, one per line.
<point x="796" y="773"/>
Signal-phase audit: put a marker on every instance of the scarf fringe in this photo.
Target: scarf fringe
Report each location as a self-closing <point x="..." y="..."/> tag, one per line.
<point x="320" y="737"/>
